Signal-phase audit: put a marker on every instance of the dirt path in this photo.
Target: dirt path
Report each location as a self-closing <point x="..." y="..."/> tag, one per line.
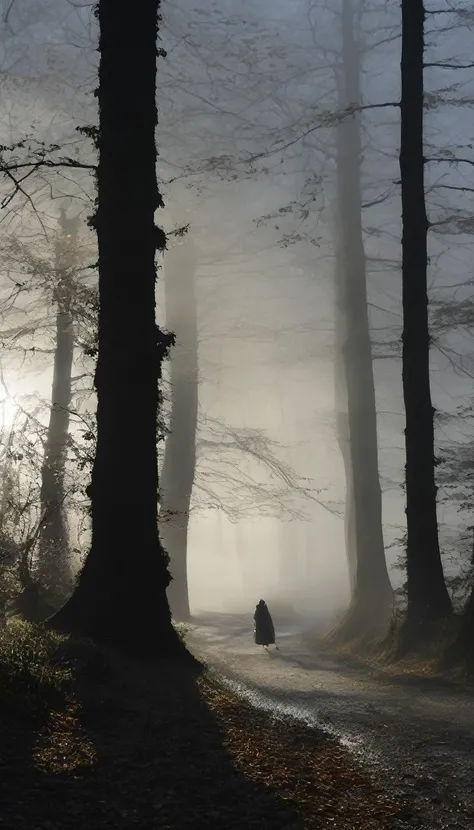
<point x="418" y="736"/>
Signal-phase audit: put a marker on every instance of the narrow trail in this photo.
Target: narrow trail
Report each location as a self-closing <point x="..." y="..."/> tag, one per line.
<point x="418" y="735"/>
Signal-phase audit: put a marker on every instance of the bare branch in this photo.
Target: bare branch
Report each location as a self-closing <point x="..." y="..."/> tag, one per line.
<point x="448" y="160"/>
<point x="454" y="187"/>
<point x="442" y="65"/>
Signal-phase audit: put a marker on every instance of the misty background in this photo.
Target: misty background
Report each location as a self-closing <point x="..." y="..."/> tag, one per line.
<point x="247" y="97"/>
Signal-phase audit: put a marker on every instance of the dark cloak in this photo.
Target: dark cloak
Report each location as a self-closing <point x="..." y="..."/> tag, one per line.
<point x="264" y="630"/>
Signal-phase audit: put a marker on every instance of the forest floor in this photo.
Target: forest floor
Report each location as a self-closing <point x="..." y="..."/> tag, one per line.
<point x="412" y="733"/>
<point x="416" y="668"/>
<point x="91" y="739"/>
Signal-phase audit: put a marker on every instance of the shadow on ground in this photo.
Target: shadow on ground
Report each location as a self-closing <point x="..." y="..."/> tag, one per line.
<point x="129" y="745"/>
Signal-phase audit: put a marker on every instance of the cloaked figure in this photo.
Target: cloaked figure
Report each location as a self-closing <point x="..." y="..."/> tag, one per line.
<point x="264" y="630"/>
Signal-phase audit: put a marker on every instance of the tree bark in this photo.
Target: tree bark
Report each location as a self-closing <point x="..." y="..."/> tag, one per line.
<point x="371" y="588"/>
<point x="177" y="475"/>
<point x="343" y="434"/>
<point x="463" y="649"/>
<point x="428" y="598"/>
<point x="121" y="593"/>
<point x="53" y="562"/>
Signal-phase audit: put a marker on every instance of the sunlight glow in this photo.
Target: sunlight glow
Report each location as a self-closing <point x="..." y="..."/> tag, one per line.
<point x="8" y="413"/>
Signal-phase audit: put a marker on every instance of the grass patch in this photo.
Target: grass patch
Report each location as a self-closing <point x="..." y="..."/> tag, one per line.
<point x="112" y="742"/>
<point x="32" y="679"/>
<point x="426" y="664"/>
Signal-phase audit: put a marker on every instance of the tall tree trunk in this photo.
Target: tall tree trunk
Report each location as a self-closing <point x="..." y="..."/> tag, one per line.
<point x="371" y="588"/>
<point x="121" y="593"/>
<point x="177" y="475"/>
<point x="53" y="554"/>
<point x="428" y="598"/>
<point x="462" y="650"/>
<point x="343" y="434"/>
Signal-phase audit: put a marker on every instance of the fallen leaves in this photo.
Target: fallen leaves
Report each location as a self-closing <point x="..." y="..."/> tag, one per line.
<point x="307" y="768"/>
<point x="148" y="745"/>
<point x="63" y="745"/>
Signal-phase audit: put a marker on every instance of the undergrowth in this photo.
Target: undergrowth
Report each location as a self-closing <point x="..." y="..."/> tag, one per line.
<point x="33" y="678"/>
<point x="89" y="738"/>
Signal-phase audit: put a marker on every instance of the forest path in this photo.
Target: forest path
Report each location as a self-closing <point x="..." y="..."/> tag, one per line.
<point x="417" y="734"/>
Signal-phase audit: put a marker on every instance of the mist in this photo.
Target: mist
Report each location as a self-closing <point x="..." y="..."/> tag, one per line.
<point x="248" y="100"/>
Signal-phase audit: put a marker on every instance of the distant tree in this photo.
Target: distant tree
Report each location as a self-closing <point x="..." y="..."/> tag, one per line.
<point x="121" y="592"/>
<point x="43" y="283"/>
<point x="53" y="550"/>
<point x="427" y="595"/>
<point x="356" y="414"/>
<point x="372" y="593"/>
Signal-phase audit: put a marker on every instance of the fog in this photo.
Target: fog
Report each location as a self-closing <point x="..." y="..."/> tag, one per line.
<point x="246" y="137"/>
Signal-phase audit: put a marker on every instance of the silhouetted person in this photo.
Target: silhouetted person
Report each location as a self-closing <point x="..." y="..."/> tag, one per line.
<point x="264" y="629"/>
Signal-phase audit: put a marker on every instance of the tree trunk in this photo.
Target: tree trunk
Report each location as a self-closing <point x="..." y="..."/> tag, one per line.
<point x="177" y="475"/>
<point x="121" y="593"/>
<point x="343" y="438"/>
<point x="371" y="588"/>
<point x="428" y="599"/>
<point x="53" y="563"/>
<point x="462" y="651"/>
